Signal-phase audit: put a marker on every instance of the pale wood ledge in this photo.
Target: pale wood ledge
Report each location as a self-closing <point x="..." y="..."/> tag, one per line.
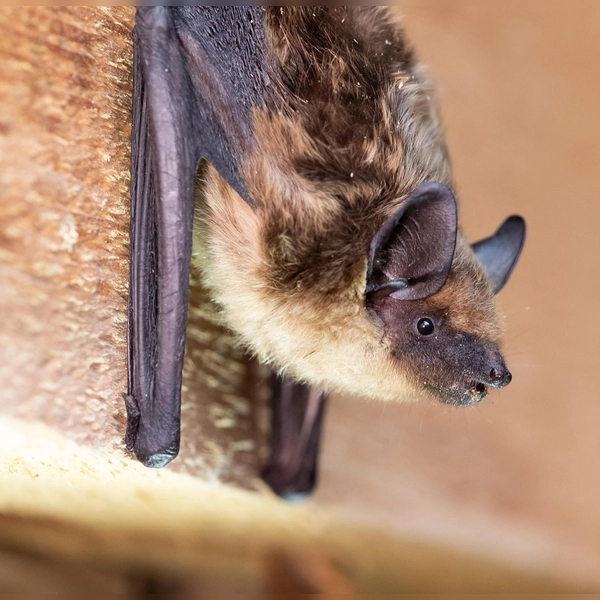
<point x="110" y="523"/>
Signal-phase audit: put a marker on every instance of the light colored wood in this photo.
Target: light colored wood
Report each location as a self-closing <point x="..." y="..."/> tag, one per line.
<point x="78" y="506"/>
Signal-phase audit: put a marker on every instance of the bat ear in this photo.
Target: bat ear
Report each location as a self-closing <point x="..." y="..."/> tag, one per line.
<point x="500" y="252"/>
<point x="411" y="255"/>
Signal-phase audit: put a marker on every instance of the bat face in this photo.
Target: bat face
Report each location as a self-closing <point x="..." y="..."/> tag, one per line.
<point x="434" y="300"/>
<point x="449" y="342"/>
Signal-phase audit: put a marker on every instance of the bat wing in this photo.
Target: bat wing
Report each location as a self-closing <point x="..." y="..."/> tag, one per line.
<point x="173" y="127"/>
<point x="297" y="412"/>
<point x="193" y="92"/>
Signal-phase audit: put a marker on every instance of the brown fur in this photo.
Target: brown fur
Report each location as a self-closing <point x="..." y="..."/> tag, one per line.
<point x="351" y="131"/>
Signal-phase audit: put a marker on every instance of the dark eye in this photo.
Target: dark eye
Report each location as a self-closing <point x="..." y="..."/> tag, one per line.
<point x="425" y="326"/>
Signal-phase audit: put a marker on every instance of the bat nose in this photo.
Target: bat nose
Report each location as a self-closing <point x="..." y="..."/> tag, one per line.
<point x="500" y="376"/>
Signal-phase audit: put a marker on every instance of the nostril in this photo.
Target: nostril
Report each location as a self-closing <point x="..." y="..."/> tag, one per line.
<point x="495" y="376"/>
<point x="500" y="377"/>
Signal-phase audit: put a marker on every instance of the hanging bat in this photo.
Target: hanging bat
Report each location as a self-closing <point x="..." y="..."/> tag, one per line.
<point x="327" y="225"/>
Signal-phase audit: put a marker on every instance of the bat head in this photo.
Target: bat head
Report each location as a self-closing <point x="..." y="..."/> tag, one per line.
<point x="418" y="314"/>
<point x="433" y="296"/>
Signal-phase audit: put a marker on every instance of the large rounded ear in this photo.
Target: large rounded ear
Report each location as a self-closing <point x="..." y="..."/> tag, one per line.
<point x="411" y="255"/>
<point x="500" y="252"/>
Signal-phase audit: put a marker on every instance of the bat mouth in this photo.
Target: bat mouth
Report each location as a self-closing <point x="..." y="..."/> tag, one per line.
<point x="466" y="393"/>
<point x="476" y="392"/>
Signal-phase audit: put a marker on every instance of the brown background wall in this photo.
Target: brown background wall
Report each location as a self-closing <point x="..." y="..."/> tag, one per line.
<point x="519" y="475"/>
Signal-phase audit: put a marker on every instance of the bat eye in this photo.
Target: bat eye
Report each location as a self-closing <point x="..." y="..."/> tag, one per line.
<point x="425" y="326"/>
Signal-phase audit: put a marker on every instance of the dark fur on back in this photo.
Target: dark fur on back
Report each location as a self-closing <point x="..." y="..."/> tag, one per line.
<point x="335" y="64"/>
<point x="352" y="116"/>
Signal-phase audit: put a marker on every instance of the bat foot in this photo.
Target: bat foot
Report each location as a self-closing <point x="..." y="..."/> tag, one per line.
<point x="147" y="446"/>
<point x="296" y="498"/>
<point x="295" y="488"/>
<point x="156" y="461"/>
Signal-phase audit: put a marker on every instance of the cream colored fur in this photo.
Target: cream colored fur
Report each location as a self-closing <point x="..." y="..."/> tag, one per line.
<point x="340" y="349"/>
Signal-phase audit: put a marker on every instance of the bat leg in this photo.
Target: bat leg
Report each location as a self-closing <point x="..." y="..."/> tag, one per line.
<point x="297" y="412"/>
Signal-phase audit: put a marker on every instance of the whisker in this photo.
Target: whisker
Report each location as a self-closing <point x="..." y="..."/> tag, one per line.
<point x="427" y="407"/>
<point x="516" y="311"/>
<point x="514" y="336"/>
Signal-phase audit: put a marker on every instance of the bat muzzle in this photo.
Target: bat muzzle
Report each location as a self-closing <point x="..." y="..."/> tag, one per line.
<point x="470" y="384"/>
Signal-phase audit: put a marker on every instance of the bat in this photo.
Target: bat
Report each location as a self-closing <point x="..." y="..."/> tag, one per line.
<point x="326" y="225"/>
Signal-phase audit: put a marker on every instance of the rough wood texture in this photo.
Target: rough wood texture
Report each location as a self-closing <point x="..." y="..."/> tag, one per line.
<point x="117" y="524"/>
<point x="65" y="98"/>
